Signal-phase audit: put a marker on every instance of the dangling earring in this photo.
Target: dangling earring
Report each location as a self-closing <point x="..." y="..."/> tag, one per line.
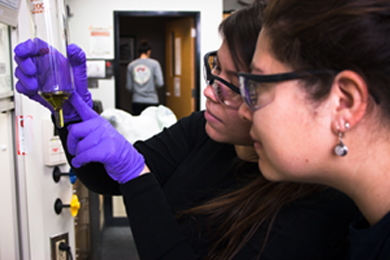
<point x="341" y="149"/>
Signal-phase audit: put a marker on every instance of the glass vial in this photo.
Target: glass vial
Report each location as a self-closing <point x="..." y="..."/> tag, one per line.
<point x="49" y="32"/>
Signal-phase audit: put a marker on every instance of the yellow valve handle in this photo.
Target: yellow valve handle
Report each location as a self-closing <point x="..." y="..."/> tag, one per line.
<point x="74" y="205"/>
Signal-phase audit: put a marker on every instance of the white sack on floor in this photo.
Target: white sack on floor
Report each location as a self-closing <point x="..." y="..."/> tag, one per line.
<point x="150" y="122"/>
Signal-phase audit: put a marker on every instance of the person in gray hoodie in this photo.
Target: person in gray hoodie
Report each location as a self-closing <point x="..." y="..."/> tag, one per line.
<point x="144" y="75"/>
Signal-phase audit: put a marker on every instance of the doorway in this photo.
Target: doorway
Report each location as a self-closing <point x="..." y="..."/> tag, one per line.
<point x="181" y="90"/>
<point x="169" y="34"/>
<point x="171" y="46"/>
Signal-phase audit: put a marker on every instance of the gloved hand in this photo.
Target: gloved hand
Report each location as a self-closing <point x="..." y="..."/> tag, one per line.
<point x="30" y="68"/>
<point x="96" y="140"/>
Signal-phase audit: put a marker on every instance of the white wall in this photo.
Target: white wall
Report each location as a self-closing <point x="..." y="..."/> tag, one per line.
<point x="37" y="189"/>
<point x="100" y="13"/>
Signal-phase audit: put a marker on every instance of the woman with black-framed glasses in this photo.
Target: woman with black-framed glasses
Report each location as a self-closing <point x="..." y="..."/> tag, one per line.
<point x="330" y="127"/>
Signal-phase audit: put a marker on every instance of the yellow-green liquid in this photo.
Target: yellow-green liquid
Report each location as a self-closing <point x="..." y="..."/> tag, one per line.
<point x="56" y="100"/>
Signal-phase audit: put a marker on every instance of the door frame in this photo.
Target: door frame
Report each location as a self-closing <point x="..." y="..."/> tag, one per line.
<point x="195" y="15"/>
<point x="109" y="219"/>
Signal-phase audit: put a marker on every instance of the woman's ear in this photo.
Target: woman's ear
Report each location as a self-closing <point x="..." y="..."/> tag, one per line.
<point x="351" y="97"/>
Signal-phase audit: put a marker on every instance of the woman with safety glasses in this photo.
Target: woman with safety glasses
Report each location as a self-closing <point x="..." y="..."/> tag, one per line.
<point x="319" y="98"/>
<point x="197" y="196"/>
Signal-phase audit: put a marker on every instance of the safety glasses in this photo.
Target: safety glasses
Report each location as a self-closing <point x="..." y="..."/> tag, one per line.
<point x="225" y="92"/>
<point x="257" y="90"/>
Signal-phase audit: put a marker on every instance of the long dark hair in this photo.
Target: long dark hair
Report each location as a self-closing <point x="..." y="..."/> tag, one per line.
<point x="240" y="30"/>
<point x="240" y="213"/>
<point x="337" y="35"/>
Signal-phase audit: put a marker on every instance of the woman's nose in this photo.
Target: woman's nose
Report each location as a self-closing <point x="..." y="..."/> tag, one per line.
<point x="208" y="92"/>
<point x="245" y="112"/>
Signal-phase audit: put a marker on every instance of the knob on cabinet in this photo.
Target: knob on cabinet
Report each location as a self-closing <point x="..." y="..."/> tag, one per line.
<point x="57" y="175"/>
<point x="74" y="205"/>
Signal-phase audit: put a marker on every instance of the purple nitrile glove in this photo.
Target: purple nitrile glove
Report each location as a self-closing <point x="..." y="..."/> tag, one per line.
<point x="96" y="140"/>
<point x="33" y="72"/>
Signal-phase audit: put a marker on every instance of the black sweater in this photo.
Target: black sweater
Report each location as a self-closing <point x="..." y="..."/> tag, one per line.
<point x="370" y="243"/>
<point x="188" y="168"/>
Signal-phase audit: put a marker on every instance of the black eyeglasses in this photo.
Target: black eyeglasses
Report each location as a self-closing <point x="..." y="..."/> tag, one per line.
<point x="224" y="91"/>
<point x="256" y="91"/>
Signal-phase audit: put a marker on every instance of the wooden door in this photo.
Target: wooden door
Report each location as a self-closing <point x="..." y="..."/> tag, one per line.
<point x="180" y="66"/>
